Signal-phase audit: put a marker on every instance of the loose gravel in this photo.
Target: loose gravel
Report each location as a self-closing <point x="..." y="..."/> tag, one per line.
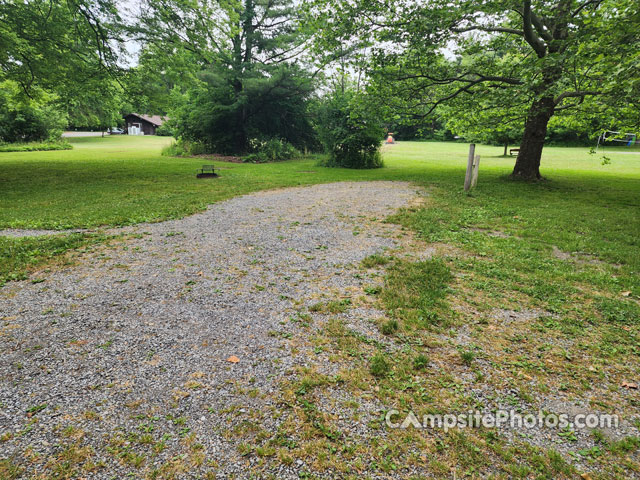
<point x="136" y="338"/>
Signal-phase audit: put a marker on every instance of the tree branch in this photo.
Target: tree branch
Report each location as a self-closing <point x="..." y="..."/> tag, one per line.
<point x="585" y="5"/>
<point x="578" y="94"/>
<point x="540" y="27"/>
<point x="529" y="34"/>
<point x="482" y="28"/>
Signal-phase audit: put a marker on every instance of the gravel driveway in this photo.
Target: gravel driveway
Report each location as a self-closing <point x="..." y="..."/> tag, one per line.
<point x="121" y="362"/>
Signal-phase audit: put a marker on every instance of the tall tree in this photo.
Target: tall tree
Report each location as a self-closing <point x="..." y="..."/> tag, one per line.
<point x="243" y="48"/>
<point x="66" y="51"/>
<point x="46" y="43"/>
<point x="553" y="54"/>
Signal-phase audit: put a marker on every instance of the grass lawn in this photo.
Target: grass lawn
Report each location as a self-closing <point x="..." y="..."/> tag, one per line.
<point x="567" y="248"/>
<point x="124" y="180"/>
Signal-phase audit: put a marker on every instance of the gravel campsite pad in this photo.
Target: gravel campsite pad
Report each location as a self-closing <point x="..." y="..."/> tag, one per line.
<point x="144" y="354"/>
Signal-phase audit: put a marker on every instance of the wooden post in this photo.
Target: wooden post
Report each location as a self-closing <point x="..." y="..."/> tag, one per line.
<point x="476" y="167"/>
<point x="467" y="178"/>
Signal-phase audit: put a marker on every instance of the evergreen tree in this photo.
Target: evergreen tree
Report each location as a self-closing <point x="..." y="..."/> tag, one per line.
<point x="245" y="50"/>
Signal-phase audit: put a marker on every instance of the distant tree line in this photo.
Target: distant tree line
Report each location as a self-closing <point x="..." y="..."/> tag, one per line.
<point x="267" y="79"/>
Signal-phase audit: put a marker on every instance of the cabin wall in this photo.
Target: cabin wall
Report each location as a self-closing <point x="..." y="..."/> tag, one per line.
<point x="138" y="126"/>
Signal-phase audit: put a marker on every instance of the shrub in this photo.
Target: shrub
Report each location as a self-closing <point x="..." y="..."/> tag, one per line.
<point x="165" y="131"/>
<point x="350" y="132"/>
<point x="183" y="148"/>
<point x="27" y="123"/>
<point x="271" y="150"/>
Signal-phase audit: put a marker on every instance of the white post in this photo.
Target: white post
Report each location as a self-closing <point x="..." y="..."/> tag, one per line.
<point x="467" y="178"/>
<point x="476" y="167"/>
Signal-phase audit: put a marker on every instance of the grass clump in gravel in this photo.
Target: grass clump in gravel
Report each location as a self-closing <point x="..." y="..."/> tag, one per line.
<point x="467" y="357"/>
<point x="332" y="306"/>
<point x="420" y="362"/>
<point x="415" y="291"/>
<point x="378" y="366"/>
<point x="373" y="261"/>
<point x="20" y="255"/>
<point x="389" y="327"/>
<point x="9" y="471"/>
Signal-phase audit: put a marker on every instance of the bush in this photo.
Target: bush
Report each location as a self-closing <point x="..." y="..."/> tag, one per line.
<point x="165" y="131"/>
<point x="27" y="123"/>
<point x="350" y="132"/>
<point x="272" y="150"/>
<point x="35" y="146"/>
<point x="183" y="148"/>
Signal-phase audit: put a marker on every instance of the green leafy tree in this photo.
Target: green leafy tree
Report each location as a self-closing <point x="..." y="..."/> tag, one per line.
<point x="64" y="53"/>
<point x="551" y="55"/>
<point x="243" y="50"/>
<point x="350" y="130"/>
<point x="160" y="78"/>
<point x="480" y="119"/>
<point x="25" y="119"/>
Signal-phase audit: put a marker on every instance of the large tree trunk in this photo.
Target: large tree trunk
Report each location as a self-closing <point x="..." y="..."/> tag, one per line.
<point x="239" y="129"/>
<point x="528" y="162"/>
<point x="506" y="146"/>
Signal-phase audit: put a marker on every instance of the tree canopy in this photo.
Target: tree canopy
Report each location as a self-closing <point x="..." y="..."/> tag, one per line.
<point x="546" y="57"/>
<point x="242" y="54"/>
<point x="64" y="57"/>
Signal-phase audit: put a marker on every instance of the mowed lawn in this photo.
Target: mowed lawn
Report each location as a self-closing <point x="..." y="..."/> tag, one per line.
<point x="586" y="206"/>
<point x="124" y="180"/>
<point x="533" y="292"/>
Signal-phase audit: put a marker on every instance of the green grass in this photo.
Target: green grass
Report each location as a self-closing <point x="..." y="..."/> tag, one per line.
<point x="125" y="180"/>
<point x="19" y="255"/>
<point x="585" y="207"/>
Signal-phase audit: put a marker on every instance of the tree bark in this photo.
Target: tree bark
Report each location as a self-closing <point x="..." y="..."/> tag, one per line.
<point x="528" y="162"/>
<point x="506" y="146"/>
<point x="240" y="134"/>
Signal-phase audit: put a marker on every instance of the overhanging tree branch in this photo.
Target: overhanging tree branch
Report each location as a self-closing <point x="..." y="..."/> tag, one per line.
<point x="529" y="34"/>
<point x="483" y="28"/>
<point x="578" y="94"/>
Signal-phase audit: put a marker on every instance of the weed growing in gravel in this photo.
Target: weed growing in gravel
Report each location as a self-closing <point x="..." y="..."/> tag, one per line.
<point x="373" y="290"/>
<point x="333" y="306"/>
<point x="467" y="357"/>
<point x="389" y="327"/>
<point x="420" y="362"/>
<point x="9" y="471"/>
<point x="376" y="260"/>
<point x="378" y="366"/>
